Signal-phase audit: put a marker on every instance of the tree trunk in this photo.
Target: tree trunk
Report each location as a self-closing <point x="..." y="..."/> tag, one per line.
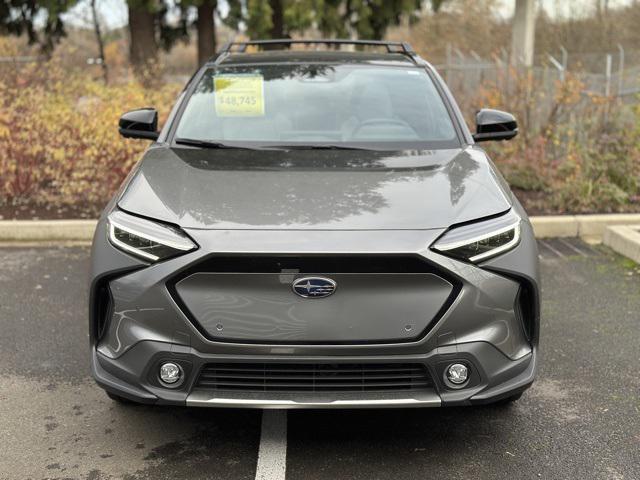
<point x="277" y="19"/>
<point x="100" y="41"/>
<point x="143" y="47"/>
<point x="206" y="30"/>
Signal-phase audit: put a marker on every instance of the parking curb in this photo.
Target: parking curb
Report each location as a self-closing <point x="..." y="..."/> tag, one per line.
<point x="46" y="231"/>
<point x="624" y="239"/>
<point x="592" y="227"/>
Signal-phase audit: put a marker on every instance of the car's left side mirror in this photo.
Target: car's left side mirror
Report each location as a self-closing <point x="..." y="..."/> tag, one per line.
<point x="495" y="125"/>
<point x="141" y="123"/>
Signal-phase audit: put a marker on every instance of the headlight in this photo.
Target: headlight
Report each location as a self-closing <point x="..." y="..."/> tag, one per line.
<point x="146" y="239"/>
<point x="482" y="240"/>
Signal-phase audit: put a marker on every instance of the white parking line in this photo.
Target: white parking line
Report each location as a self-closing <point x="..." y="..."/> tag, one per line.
<point x="572" y="247"/>
<point x="272" y="454"/>
<point x="557" y="252"/>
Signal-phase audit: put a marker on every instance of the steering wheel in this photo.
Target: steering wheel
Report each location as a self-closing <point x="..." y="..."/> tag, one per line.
<point x="372" y="122"/>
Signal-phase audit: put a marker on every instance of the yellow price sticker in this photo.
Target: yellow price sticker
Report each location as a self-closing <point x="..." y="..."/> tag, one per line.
<point x="239" y="95"/>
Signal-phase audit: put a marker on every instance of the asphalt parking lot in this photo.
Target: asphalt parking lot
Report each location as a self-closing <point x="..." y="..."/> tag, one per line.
<point x="580" y="420"/>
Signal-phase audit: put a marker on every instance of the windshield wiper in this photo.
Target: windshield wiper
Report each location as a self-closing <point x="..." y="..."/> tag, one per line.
<point x="315" y="147"/>
<point x="206" y="144"/>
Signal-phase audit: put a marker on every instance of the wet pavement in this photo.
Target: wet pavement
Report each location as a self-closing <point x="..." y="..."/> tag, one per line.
<point x="581" y="419"/>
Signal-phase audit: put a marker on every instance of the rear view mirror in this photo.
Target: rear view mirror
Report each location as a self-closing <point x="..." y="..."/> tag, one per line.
<point x="495" y="125"/>
<point x="141" y="123"/>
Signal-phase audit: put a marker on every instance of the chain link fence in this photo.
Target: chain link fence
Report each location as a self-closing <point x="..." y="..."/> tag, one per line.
<point x="600" y="78"/>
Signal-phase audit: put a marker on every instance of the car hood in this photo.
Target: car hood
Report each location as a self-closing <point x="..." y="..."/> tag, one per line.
<point x="314" y="189"/>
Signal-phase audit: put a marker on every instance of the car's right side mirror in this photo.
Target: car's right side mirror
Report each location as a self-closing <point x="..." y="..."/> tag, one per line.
<point x="141" y="123"/>
<point x="495" y="125"/>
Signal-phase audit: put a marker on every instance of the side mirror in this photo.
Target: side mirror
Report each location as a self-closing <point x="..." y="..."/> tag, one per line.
<point x="141" y="123"/>
<point x="495" y="125"/>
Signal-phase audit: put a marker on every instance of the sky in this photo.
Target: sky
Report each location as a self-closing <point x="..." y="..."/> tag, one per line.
<point x="113" y="13"/>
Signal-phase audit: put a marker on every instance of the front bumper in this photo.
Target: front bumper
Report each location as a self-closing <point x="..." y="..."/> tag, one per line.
<point x="133" y="376"/>
<point x="143" y="324"/>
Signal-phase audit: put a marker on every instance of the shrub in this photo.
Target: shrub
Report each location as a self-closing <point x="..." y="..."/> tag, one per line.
<point x="580" y="149"/>
<point x="59" y="143"/>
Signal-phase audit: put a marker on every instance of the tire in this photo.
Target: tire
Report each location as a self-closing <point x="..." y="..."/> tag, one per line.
<point x="119" y="399"/>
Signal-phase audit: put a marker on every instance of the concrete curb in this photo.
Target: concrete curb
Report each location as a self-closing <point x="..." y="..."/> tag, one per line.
<point x="587" y="226"/>
<point x="591" y="227"/>
<point x="624" y="239"/>
<point x="31" y="231"/>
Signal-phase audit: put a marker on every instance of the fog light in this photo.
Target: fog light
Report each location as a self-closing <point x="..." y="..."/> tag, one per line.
<point x="457" y="373"/>
<point x="170" y="373"/>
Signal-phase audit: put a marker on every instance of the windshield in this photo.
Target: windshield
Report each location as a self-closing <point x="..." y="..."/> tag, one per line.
<point x="316" y="105"/>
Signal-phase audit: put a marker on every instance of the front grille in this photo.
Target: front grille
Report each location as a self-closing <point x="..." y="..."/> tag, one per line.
<point x="288" y="266"/>
<point x="314" y="377"/>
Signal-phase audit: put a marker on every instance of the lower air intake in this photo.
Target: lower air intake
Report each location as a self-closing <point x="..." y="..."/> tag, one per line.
<point x="314" y="377"/>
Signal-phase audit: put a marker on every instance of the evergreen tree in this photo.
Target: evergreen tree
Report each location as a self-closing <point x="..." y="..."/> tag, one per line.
<point x="366" y="19"/>
<point x="18" y="17"/>
<point x="271" y="18"/>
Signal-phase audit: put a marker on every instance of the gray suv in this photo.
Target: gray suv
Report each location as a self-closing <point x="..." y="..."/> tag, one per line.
<point x="311" y="228"/>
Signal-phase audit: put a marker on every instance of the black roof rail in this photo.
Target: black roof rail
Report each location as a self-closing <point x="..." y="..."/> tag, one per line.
<point x="392" y="47"/>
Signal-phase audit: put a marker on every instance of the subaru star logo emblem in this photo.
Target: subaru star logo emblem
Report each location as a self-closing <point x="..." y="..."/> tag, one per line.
<point x="314" y="287"/>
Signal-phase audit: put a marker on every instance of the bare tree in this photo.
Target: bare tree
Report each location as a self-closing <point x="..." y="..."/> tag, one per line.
<point x="100" y="41"/>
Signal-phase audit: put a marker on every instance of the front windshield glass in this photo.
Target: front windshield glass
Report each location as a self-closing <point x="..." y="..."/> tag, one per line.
<point x="316" y="104"/>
